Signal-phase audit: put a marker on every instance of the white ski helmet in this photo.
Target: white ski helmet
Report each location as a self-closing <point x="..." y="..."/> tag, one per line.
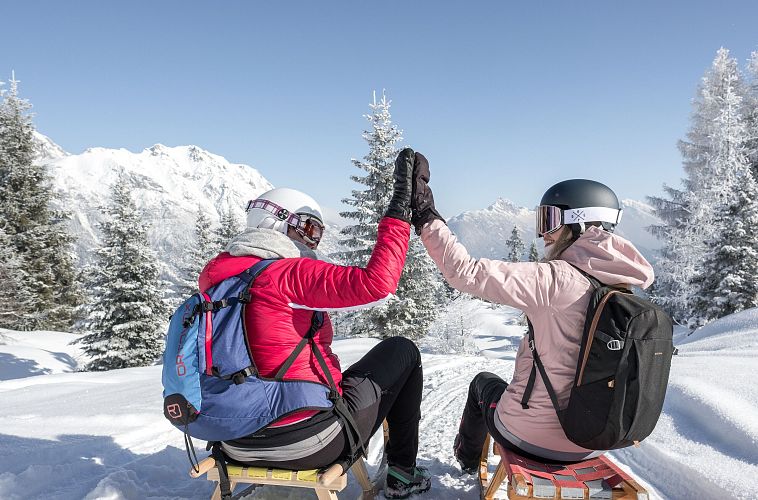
<point x="282" y="207"/>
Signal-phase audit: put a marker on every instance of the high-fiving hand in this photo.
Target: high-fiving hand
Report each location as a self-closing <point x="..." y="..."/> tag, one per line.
<point x="422" y="202"/>
<point x="400" y="203"/>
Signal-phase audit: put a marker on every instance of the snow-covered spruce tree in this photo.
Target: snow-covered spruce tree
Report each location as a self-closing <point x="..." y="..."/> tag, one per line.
<point x="368" y="204"/>
<point x="229" y="228"/>
<point x="677" y="262"/>
<point x="710" y="155"/>
<point x="36" y="230"/>
<point x="728" y="277"/>
<point x="534" y="255"/>
<point x="202" y="250"/>
<point x="419" y="294"/>
<point x="127" y="314"/>
<point x="515" y="246"/>
<point x="419" y="299"/>
<point x="19" y="300"/>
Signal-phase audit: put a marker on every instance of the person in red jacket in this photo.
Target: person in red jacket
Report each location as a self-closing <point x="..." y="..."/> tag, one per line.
<point x="386" y="383"/>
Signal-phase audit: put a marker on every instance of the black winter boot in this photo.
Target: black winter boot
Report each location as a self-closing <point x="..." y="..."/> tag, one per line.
<point x="468" y="466"/>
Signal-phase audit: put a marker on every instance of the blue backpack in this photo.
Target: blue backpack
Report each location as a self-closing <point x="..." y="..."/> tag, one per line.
<point x="211" y="387"/>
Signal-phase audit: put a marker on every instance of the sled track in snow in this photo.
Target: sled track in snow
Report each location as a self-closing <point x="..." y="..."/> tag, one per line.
<point x="446" y="384"/>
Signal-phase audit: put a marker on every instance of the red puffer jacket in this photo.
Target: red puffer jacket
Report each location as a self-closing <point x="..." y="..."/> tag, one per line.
<point x="285" y="295"/>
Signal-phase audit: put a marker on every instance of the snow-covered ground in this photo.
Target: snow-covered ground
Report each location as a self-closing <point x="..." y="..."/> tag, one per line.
<point x="66" y="435"/>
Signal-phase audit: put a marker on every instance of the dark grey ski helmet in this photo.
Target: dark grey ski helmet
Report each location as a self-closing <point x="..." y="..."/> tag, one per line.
<point x="584" y="202"/>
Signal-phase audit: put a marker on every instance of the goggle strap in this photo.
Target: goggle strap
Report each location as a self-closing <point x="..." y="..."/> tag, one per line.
<point x="274" y="209"/>
<point x="295" y="220"/>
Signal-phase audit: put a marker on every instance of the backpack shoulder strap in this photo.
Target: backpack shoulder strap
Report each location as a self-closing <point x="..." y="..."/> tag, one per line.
<point x="250" y="274"/>
<point x="537" y="365"/>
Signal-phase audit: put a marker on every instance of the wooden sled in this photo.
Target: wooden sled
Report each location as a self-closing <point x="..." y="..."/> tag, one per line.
<point x="324" y="482"/>
<point x="593" y="478"/>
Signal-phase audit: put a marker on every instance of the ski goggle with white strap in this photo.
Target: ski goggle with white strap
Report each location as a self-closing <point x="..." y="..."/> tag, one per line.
<point x="308" y="226"/>
<point x="550" y="218"/>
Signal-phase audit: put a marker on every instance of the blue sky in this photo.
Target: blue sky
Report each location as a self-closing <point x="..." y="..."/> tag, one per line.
<point x="504" y="98"/>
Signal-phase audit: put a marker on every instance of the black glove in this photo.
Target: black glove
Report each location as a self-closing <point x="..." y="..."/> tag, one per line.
<point x="423" y="199"/>
<point x="400" y="204"/>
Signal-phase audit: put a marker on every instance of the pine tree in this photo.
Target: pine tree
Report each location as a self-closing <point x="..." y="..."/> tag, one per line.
<point x="13" y="282"/>
<point x="36" y="230"/>
<point x="202" y="250"/>
<point x="370" y="203"/>
<point x="416" y="303"/>
<point x="728" y="279"/>
<point x="712" y="153"/>
<point x="677" y="263"/>
<point x="515" y="246"/>
<point x="420" y="297"/>
<point x="127" y="314"/>
<point x="229" y="228"/>
<point x="534" y="256"/>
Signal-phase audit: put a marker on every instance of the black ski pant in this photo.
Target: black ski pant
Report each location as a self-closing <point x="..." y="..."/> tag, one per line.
<point x="384" y="384"/>
<point x="478" y="418"/>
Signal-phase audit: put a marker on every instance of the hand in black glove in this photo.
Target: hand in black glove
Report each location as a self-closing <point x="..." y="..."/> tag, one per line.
<point x="400" y="203"/>
<point x="423" y="199"/>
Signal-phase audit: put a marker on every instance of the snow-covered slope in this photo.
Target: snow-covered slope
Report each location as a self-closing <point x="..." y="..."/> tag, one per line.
<point x="484" y="232"/>
<point x="25" y="354"/>
<point x="102" y="435"/>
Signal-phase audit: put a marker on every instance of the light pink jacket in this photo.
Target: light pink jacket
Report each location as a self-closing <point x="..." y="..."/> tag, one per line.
<point x="554" y="297"/>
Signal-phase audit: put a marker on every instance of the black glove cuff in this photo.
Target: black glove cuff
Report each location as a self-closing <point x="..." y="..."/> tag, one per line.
<point x="421" y="219"/>
<point x="399" y="212"/>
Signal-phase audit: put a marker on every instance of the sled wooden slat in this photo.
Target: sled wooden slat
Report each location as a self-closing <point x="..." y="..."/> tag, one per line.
<point x="528" y="479"/>
<point x="325" y="482"/>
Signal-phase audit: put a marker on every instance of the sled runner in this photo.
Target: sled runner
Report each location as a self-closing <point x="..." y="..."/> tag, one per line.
<point x="324" y="482"/>
<point x="593" y="478"/>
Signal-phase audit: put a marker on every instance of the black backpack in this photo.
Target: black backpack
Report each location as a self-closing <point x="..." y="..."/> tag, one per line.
<point x="622" y="371"/>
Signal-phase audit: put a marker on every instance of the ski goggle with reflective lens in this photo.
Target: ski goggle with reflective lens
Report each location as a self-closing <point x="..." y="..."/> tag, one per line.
<point x="308" y="226"/>
<point x="550" y="218"/>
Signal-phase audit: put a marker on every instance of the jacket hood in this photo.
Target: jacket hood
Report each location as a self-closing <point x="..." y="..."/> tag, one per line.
<point x="609" y="258"/>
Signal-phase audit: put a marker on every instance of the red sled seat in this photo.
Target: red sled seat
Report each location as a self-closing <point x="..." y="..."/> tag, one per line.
<point x="593" y="478"/>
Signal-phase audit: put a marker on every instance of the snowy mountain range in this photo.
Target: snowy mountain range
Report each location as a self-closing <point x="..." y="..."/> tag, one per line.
<point x="171" y="184"/>
<point x="484" y="232"/>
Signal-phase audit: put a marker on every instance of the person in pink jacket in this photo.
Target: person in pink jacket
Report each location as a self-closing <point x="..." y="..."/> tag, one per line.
<point x="576" y="219"/>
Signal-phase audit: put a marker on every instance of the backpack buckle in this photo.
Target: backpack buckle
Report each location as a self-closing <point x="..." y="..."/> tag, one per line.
<point x="531" y="345"/>
<point x="615" y="345"/>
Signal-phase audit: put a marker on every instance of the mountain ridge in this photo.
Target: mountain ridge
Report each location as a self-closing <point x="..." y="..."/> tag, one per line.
<point x="171" y="183"/>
